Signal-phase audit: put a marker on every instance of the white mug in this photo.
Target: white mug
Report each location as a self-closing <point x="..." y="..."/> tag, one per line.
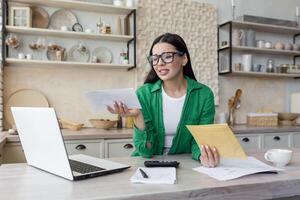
<point x="64" y="28"/>
<point x="29" y="57"/>
<point x="21" y="55"/>
<point x="279" y="157"/>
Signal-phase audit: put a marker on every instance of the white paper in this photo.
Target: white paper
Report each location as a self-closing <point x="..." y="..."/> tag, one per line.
<point x="99" y="99"/>
<point x="235" y="168"/>
<point x="156" y="175"/>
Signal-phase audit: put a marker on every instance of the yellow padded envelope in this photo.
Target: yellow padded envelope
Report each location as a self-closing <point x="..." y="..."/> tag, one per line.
<point x="220" y="136"/>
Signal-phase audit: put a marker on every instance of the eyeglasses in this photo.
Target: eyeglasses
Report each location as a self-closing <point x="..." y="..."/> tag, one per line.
<point x="166" y="57"/>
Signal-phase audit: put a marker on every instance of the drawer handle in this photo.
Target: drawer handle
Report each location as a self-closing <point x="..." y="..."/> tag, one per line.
<point x="277" y="138"/>
<point x="80" y="147"/>
<point x="245" y="139"/>
<point x="128" y="146"/>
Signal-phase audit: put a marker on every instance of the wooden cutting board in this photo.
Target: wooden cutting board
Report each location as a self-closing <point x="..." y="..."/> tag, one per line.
<point x="23" y="98"/>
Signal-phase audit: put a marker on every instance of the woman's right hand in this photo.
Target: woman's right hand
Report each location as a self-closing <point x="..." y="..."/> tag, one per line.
<point x="122" y="110"/>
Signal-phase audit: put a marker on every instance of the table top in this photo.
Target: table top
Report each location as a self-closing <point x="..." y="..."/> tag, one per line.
<point x="20" y="181"/>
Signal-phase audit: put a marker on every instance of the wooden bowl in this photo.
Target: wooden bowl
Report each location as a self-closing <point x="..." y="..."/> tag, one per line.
<point x="103" y="123"/>
<point x="288" y="116"/>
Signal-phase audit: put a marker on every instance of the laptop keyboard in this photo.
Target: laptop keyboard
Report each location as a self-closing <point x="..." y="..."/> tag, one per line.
<point x="83" y="168"/>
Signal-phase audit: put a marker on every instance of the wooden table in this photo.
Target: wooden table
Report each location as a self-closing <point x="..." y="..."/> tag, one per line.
<point x="19" y="181"/>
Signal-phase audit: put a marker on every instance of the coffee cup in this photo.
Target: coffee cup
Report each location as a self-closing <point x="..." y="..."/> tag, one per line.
<point x="279" y="157"/>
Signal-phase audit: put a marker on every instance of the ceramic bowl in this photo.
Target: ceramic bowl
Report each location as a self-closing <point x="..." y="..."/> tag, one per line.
<point x="103" y="123"/>
<point x="288" y="116"/>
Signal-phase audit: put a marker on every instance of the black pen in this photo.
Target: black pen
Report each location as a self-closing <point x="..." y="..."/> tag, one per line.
<point x="143" y="173"/>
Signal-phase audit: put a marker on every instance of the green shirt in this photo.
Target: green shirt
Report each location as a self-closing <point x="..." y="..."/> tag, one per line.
<point x="198" y="108"/>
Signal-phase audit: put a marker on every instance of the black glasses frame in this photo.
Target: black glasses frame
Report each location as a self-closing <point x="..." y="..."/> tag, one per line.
<point x="150" y="60"/>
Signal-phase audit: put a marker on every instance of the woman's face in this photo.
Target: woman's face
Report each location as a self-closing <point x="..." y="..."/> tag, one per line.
<point x="172" y="70"/>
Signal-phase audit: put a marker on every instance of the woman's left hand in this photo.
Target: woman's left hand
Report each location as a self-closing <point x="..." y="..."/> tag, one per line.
<point x="209" y="156"/>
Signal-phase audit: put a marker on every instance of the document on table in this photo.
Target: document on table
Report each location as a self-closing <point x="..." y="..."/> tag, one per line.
<point x="219" y="136"/>
<point x="230" y="168"/>
<point x="99" y="99"/>
<point x="156" y="175"/>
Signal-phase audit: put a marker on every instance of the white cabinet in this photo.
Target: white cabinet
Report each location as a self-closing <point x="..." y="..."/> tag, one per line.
<point x="296" y="140"/>
<point x="13" y="153"/>
<point x="250" y="141"/>
<point x="93" y="148"/>
<point x="276" y="140"/>
<point x="118" y="148"/>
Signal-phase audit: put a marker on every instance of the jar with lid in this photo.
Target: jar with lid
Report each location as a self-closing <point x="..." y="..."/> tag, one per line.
<point x="270" y="65"/>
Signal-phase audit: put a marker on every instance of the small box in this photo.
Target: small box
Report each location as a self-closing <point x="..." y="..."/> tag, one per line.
<point x="262" y="119"/>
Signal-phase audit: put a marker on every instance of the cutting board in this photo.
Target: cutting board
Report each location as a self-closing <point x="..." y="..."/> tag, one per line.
<point x="295" y="102"/>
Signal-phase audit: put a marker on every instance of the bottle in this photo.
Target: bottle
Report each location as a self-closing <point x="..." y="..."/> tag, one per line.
<point x="118" y="26"/>
<point x="120" y="122"/>
<point x="270" y="66"/>
<point x="99" y="25"/>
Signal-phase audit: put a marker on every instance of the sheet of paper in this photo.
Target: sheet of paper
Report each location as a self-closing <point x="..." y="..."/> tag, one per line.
<point x="156" y="175"/>
<point x="230" y="168"/>
<point x="220" y="136"/>
<point x="99" y="99"/>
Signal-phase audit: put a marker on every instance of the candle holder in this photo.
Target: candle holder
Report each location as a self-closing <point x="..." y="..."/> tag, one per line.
<point x="233" y="12"/>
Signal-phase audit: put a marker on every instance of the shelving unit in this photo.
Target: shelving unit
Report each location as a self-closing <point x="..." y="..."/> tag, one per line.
<point x="76" y="5"/>
<point x="68" y="34"/>
<point x="46" y="63"/>
<point x="229" y="50"/>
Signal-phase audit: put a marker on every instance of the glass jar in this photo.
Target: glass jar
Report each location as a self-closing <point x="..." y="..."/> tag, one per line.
<point x="270" y="66"/>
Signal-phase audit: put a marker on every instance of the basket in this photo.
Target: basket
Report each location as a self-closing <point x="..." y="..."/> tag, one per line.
<point x="262" y="119"/>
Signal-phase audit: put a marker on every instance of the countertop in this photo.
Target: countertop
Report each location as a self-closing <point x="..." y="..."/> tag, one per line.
<point x="20" y="181"/>
<point x="92" y="133"/>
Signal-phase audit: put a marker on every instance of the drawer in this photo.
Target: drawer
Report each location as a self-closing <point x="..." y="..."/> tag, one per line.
<point x="118" y="148"/>
<point x="250" y="141"/>
<point x="296" y="140"/>
<point x="272" y="141"/>
<point x="92" y="148"/>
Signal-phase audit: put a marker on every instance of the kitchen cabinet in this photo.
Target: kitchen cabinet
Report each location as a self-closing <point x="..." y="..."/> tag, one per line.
<point x="296" y="140"/>
<point x="93" y="148"/>
<point x="250" y="141"/>
<point x="230" y="54"/>
<point x="118" y="148"/>
<point x="278" y="140"/>
<point x="128" y="42"/>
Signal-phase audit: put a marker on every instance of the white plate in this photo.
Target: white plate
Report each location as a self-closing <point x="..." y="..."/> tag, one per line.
<point x="76" y="55"/>
<point x="61" y="18"/>
<point x="103" y="54"/>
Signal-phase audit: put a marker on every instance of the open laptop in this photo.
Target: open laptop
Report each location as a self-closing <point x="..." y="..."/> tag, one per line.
<point x="44" y="147"/>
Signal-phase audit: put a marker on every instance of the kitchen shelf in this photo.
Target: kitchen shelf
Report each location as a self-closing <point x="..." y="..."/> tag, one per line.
<point x="266" y="27"/>
<point x="45" y="63"/>
<point x="264" y="74"/>
<point x="77" y="5"/>
<point x="266" y="51"/>
<point x="68" y="34"/>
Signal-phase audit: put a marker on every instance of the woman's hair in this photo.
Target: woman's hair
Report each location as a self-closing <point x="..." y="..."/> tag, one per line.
<point x="180" y="45"/>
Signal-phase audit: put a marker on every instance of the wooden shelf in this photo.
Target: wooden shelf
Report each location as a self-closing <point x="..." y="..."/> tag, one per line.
<point x="77" y="5"/>
<point x="266" y="27"/>
<point x="266" y="51"/>
<point x="264" y="74"/>
<point x="45" y="63"/>
<point x="68" y="34"/>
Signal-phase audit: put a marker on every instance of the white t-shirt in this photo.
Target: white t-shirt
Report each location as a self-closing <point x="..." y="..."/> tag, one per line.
<point x="172" y="108"/>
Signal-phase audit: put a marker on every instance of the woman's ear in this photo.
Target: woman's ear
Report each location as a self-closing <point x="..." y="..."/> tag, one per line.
<point x="184" y="60"/>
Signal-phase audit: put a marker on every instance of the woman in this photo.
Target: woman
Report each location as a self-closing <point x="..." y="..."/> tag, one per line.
<point x="171" y="98"/>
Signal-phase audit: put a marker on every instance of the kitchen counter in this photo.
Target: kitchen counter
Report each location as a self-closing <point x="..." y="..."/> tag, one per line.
<point x="243" y="128"/>
<point x="20" y="181"/>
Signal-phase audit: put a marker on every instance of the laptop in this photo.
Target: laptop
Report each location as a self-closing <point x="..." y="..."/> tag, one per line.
<point x="44" y="146"/>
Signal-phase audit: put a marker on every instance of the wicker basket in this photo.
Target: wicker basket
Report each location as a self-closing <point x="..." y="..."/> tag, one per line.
<point x="262" y="119"/>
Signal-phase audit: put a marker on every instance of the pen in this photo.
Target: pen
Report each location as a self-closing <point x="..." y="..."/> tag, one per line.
<point x="143" y="173"/>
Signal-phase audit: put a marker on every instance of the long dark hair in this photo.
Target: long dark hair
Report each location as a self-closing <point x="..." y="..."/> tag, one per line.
<point x="180" y="45"/>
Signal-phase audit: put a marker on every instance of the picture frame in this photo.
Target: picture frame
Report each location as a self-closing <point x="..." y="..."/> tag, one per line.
<point x="20" y="16"/>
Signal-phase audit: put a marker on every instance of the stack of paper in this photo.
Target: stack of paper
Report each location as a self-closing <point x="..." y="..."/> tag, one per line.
<point x="235" y="168"/>
<point x="156" y="175"/>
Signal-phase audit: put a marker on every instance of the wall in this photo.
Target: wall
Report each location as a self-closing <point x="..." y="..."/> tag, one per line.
<point x="258" y="93"/>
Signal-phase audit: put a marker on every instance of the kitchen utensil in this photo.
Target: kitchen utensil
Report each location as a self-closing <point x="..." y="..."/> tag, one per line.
<point x="236" y="100"/>
<point x="103" y="123"/>
<point x="79" y="53"/>
<point x="23" y="98"/>
<point x="247" y="62"/>
<point x="63" y="17"/>
<point x="70" y="125"/>
<point x="288" y="46"/>
<point x="260" y="43"/>
<point x="270" y="65"/>
<point x="237" y="36"/>
<point x="279" y="46"/>
<point x="103" y="54"/>
<point x="288" y="116"/>
<point x="250" y="38"/>
<point x="53" y="55"/>
<point x="40" y="18"/>
<point x="268" y="45"/>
